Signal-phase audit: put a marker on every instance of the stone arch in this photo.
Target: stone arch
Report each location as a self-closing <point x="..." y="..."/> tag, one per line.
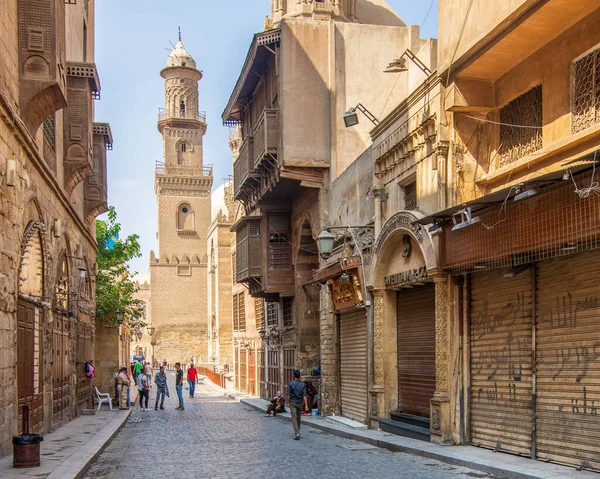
<point x="185" y="216"/>
<point x="391" y="238"/>
<point x="33" y="272"/>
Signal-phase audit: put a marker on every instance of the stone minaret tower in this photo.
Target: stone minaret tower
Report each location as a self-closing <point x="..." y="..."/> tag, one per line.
<point x="182" y="185"/>
<point x="340" y="10"/>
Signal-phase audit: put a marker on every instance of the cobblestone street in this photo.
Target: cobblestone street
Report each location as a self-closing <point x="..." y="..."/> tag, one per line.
<point x="218" y="437"/>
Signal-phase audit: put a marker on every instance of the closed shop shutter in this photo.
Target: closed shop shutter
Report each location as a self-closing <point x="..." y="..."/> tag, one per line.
<point x="501" y="337"/>
<point x="416" y="349"/>
<point x="252" y="372"/>
<point x="353" y="365"/>
<point x="243" y="370"/>
<point x="568" y="360"/>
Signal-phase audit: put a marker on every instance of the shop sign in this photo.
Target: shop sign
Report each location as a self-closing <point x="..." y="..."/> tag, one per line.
<point x="406" y="277"/>
<point x="346" y="293"/>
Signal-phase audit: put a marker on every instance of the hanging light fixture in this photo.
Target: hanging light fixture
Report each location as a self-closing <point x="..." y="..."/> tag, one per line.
<point x="464" y="218"/>
<point x="325" y="243"/>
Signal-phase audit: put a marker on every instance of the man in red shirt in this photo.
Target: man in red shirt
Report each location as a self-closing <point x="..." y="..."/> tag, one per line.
<point x="191" y="378"/>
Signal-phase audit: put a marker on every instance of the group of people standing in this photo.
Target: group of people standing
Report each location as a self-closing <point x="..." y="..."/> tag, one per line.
<point x="141" y="376"/>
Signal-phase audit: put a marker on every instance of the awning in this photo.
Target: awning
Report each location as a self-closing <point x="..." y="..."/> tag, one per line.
<point x="256" y="63"/>
<point x="579" y="165"/>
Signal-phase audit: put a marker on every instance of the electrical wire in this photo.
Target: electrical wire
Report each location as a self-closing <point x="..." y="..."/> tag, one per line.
<point x="594" y="187"/>
<point x="293" y="244"/>
<point x="502" y="208"/>
<point x="503" y="124"/>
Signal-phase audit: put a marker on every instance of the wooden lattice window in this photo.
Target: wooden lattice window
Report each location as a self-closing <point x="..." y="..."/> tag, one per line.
<point x="288" y="319"/>
<point x="272" y="313"/>
<point x="242" y="311"/>
<point x="279" y="243"/>
<point x="521" y="127"/>
<point x="236" y="318"/>
<point x="233" y="268"/>
<point x="259" y="311"/>
<point x="49" y="128"/>
<point x="410" y="196"/>
<point x="586" y="92"/>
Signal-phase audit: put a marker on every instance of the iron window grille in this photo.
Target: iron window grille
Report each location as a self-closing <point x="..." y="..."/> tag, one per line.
<point x="586" y="92"/>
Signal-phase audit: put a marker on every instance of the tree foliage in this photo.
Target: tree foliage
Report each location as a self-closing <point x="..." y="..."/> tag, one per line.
<point x="115" y="285"/>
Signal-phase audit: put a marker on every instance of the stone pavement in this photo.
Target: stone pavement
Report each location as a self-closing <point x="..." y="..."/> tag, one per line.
<point x="217" y="437"/>
<point x="66" y="452"/>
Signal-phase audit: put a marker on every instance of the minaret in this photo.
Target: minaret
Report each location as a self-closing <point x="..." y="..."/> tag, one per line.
<point x="182" y="185"/>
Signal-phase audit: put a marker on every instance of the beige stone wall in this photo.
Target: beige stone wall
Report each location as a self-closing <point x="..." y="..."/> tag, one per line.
<point x="38" y="198"/>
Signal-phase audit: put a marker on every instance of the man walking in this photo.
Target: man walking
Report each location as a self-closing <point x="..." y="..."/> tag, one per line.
<point x="191" y="378"/>
<point x="179" y="386"/>
<point x="138" y="369"/>
<point x="148" y="371"/>
<point x="160" y="379"/>
<point x="144" y="390"/>
<point x="124" y="382"/>
<point x="296" y="398"/>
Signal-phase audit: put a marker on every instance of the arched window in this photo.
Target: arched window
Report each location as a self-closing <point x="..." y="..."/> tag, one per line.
<point x="185" y="217"/>
<point x="182" y="109"/>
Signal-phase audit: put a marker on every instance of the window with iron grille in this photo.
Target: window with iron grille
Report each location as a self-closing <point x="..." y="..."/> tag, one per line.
<point x="49" y="131"/>
<point x="279" y="244"/>
<point x="586" y="92"/>
<point x="410" y="196"/>
<point x="272" y="313"/>
<point x="236" y="318"/>
<point x="516" y="141"/>
<point x="242" y="311"/>
<point x="259" y="311"/>
<point x="288" y="319"/>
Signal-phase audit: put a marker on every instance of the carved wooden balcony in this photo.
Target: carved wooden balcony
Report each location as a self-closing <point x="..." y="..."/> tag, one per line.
<point x="244" y="175"/>
<point x="83" y="87"/>
<point x="42" y="60"/>
<point x="266" y="139"/>
<point x="248" y="255"/>
<point x="95" y="191"/>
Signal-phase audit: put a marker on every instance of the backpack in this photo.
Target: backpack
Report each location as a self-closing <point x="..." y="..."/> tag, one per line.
<point x="89" y="370"/>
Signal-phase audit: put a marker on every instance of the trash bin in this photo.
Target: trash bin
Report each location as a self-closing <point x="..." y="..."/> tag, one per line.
<point x="26" y="450"/>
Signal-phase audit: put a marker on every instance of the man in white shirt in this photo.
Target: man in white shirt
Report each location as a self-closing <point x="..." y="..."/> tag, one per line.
<point x="144" y="391"/>
<point x="148" y="371"/>
<point x="123" y="384"/>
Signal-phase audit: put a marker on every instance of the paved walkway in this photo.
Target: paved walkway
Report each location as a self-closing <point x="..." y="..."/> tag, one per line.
<point x="217" y="437"/>
<point x="69" y="449"/>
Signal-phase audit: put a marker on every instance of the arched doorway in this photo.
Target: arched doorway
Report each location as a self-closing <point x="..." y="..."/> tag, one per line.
<point x="30" y="320"/>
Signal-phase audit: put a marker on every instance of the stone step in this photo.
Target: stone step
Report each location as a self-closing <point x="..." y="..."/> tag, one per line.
<point x="410" y="419"/>
<point x="404" y="429"/>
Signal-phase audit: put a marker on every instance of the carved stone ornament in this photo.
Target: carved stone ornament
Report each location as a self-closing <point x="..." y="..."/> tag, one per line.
<point x="378" y="338"/>
<point x="436" y="418"/>
<point x="374" y="405"/>
<point x="405" y="220"/>
<point x="441" y="332"/>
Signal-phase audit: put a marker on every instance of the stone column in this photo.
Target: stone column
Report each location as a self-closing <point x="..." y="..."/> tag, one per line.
<point x="377" y="390"/>
<point x="441" y="424"/>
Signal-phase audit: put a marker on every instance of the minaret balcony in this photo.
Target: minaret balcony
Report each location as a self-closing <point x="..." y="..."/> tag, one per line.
<point x="163" y="169"/>
<point x="181" y="115"/>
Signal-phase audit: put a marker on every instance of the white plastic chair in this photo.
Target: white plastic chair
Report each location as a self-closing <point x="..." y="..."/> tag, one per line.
<point x="103" y="397"/>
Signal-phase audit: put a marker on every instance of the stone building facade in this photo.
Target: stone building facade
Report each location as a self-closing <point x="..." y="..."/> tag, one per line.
<point x="52" y="187"/>
<point x="519" y="235"/>
<point x="178" y="270"/>
<point x="142" y="339"/>
<point x="288" y="159"/>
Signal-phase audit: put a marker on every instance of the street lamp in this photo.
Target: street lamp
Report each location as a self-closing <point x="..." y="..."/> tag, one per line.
<point x="399" y="64"/>
<point x="351" y="117"/>
<point x="120" y="317"/>
<point x="325" y="243"/>
<point x="151" y="330"/>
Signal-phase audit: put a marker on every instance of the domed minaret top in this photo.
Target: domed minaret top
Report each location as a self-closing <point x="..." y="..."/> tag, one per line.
<point x="180" y="57"/>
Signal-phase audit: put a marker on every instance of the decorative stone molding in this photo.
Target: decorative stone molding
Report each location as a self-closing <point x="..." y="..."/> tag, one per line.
<point x="378" y="337"/>
<point x="441" y="331"/>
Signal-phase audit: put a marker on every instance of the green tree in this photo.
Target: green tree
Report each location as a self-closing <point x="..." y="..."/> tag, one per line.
<point x="115" y="285"/>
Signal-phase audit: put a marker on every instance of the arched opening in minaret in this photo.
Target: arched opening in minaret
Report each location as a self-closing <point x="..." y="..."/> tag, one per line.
<point x="182" y="109"/>
<point x="185" y="217"/>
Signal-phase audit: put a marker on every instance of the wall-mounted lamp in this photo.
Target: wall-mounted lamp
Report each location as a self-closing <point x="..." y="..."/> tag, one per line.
<point x="325" y="242"/>
<point x="399" y="64"/>
<point x="351" y="116"/>
<point x="464" y="218"/>
<point x="527" y="194"/>
<point x="345" y="277"/>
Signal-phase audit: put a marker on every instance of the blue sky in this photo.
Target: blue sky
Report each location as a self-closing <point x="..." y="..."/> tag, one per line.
<point x="132" y="38"/>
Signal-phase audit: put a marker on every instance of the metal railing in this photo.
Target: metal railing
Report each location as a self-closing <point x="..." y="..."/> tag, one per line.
<point x="181" y="114"/>
<point x="178" y="170"/>
<point x="213" y="377"/>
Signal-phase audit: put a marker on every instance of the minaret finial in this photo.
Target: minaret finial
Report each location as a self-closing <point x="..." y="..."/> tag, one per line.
<point x="179" y="33"/>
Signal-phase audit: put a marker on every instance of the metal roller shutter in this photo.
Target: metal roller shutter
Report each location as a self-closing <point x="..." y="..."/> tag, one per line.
<point x="416" y="349"/>
<point x="568" y="360"/>
<point x="353" y="365"/>
<point x="501" y="379"/>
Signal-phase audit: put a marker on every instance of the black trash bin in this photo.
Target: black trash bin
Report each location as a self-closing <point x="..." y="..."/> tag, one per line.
<point x="26" y="450"/>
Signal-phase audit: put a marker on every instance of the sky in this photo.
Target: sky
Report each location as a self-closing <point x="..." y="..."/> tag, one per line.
<point x="133" y="39"/>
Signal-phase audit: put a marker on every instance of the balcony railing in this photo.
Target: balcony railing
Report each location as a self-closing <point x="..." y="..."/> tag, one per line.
<point x="181" y="115"/>
<point x="266" y="136"/>
<point x="178" y="170"/>
<point x="243" y="169"/>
